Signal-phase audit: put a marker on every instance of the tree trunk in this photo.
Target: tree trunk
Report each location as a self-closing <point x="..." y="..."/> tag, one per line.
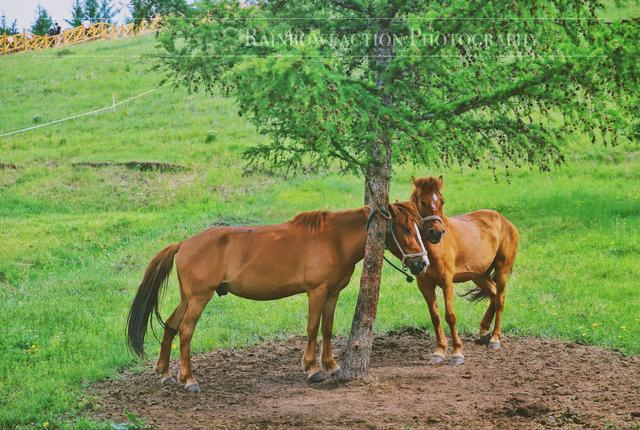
<point x="367" y="194"/>
<point x="356" y="358"/>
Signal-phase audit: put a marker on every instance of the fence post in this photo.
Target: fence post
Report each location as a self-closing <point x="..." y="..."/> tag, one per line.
<point x="24" y="39"/>
<point x="5" y="45"/>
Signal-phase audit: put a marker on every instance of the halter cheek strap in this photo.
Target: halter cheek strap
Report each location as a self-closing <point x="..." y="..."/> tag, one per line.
<point x="423" y="251"/>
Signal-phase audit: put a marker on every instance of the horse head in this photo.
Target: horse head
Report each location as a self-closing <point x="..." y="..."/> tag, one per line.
<point x="404" y="238"/>
<point x="427" y="198"/>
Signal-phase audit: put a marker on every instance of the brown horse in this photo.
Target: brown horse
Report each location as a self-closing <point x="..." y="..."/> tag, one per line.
<point x="315" y="252"/>
<point x="479" y="246"/>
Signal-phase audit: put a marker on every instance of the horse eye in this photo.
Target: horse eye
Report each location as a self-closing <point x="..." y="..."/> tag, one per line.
<point x="405" y="229"/>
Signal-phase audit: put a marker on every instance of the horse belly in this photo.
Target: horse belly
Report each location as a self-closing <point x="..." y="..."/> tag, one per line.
<point x="269" y="270"/>
<point x="265" y="291"/>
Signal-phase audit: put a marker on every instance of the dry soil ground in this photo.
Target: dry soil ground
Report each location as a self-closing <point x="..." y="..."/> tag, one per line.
<point x="528" y="384"/>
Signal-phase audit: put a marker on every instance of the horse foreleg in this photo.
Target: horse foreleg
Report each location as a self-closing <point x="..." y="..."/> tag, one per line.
<point x="450" y="316"/>
<point x="328" y="361"/>
<point x="170" y="330"/>
<point x="317" y="299"/>
<point x="428" y="290"/>
<point x="188" y="325"/>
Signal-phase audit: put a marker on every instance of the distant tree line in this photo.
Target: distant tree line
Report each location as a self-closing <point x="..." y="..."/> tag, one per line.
<point x="7" y="29"/>
<point x="97" y="11"/>
<point x="92" y="11"/>
<point x="146" y="9"/>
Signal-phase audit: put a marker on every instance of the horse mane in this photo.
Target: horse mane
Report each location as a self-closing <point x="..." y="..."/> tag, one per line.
<point x="409" y="210"/>
<point x="311" y="220"/>
<point x="428" y="184"/>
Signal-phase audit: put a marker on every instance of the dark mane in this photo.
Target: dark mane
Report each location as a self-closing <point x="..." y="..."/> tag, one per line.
<point x="311" y="220"/>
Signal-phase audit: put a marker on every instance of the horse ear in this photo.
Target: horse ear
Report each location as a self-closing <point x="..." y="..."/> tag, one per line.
<point x="392" y="210"/>
<point x="414" y="180"/>
<point x="440" y="181"/>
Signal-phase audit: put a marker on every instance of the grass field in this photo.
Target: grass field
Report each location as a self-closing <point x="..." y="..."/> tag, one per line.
<point x="74" y="241"/>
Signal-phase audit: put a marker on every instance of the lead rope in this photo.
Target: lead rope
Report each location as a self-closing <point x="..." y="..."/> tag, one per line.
<point x="407" y="276"/>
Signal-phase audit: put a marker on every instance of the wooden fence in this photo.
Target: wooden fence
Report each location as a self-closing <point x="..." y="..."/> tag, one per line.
<point x="27" y="41"/>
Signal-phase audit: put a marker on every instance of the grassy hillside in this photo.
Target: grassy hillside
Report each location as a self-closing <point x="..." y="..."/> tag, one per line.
<point x="74" y="241"/>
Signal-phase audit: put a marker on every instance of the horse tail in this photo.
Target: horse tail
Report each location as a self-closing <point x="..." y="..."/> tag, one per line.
<point x="475" y="294"/>
<point x="146" y="300"/>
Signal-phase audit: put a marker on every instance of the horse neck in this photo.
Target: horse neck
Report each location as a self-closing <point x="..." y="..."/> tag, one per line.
<point x="351" y="226"/>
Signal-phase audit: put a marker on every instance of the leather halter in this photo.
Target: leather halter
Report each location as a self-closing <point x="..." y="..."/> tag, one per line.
<point x="422" y="253"/>
<point x="433" y="218"/>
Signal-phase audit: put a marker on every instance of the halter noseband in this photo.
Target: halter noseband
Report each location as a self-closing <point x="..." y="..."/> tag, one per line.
<point x="433" y="218"/>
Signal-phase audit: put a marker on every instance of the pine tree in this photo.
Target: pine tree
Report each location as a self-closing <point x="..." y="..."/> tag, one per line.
<point x="77" y="14"/>
<point x="106" y="11"/>
<point x="91" y="11"/>
<point x="43" y="22"/>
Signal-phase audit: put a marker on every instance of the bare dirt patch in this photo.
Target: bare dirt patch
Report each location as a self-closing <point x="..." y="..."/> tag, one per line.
<point x="528" y="384"/>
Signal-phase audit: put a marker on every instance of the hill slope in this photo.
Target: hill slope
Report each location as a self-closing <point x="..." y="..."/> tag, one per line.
<point x="75" y="240"/>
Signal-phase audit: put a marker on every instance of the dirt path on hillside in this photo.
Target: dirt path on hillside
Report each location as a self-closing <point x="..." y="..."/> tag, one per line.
<point x="528" y="384"/>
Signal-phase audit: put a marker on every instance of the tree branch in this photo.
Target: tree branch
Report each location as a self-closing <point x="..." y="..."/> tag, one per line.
<point x="351" y="5"/>
<point x="500" y="95"/>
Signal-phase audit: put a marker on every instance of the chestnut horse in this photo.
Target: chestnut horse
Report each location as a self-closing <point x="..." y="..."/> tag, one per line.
<point x="315" y="252"/>
<point x="479" y="246"/>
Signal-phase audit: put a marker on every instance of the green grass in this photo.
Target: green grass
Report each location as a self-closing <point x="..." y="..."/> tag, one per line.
<point x="75" y="240"/>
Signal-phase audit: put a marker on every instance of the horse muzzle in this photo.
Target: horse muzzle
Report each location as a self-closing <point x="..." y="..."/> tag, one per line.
<point x="435" y="236"/>
<point x="417" y="267"/>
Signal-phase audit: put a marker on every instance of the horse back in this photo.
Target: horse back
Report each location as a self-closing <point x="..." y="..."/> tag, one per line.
<point x="261" y="262"/>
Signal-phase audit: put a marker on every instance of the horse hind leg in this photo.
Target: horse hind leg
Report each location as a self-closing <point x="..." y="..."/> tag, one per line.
<point x="187" y="326"/>
<point x="503" y="264"/>
<point x="486" y="289"/>
<point x="500" y="279"/>
<point x="170" y="330"/>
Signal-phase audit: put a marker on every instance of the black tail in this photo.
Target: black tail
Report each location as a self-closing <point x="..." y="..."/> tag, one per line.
<point x="146" y="300"/>
<point x="476" y="294"/>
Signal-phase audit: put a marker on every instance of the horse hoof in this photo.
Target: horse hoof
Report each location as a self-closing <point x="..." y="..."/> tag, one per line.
<point x="484" y="340"/>
<point x="494" y="345"/>
<point x="169" y="380"/>
<point x="456" y="360"/>
<point x="436" y="359"/>
<point x="333" y="370"/>
<point x="193" y="388"/>
<point x="318" y="377"/>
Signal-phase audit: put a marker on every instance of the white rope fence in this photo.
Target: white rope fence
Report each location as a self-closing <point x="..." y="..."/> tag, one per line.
<point x="111" y="108"/>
